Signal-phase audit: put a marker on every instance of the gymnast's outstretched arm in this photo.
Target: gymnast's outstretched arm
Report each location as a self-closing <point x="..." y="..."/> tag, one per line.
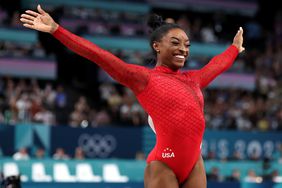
<point x="219" y="63"/>
<point x="133" y="76"/>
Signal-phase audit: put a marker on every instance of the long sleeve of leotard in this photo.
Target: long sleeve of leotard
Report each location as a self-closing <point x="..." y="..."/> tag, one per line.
<point x="133" y="76"/>
<point x="216" y="66"/>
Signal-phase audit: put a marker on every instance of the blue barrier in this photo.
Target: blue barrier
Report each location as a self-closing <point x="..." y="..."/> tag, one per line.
<point x="129" y="168"/>
<point x="224" y="143"/>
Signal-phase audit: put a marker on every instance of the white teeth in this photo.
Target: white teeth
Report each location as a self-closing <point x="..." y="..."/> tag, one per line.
<point x="180" y="56"/>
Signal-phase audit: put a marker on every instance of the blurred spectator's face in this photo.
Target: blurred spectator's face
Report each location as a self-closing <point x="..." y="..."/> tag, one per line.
<point x="40" y="153"/>
<point x="79" y="152"/>
<point x="275" y="173"/>
<point x="23" y="150"/>
<point x="169" y="20"/>
<point x="60" y="151"/>
<point x="252" y="173"/>
<point x="236" y="174"/>
<point x="214" y="170"/>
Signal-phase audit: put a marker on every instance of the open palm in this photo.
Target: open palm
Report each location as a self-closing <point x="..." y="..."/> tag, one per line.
<point x="238" y="40"/>
<point x="40" y="20"/>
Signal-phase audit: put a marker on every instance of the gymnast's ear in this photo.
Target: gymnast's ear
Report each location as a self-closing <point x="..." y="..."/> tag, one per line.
<point x="156" y="46"/>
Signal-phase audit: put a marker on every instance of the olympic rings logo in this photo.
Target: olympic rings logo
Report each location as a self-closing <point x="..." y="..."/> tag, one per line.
<point x="97" y="145"/>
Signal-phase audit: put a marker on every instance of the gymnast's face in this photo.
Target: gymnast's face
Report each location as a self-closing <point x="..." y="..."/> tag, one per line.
<point x="173" y="49"/>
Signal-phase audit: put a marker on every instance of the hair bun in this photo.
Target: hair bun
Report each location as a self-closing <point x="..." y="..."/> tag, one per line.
<point x="155" y="21"/>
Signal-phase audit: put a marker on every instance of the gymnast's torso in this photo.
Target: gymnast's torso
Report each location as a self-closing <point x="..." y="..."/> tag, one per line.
<point x="175" y="103"/>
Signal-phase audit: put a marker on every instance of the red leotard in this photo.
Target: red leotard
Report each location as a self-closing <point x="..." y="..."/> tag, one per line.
<point x="172" y="98"/>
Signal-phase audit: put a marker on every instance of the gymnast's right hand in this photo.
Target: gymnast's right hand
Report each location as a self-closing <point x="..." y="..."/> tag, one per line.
<point x="40" y="20"/>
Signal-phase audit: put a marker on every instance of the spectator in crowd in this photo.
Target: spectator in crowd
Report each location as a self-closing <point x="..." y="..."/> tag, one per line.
<point x="169" y="20"/>
<point x="79" y="154"/>
<point x="100" y="118"/>
<point x="276" y="177"/>
<point x="237" y="155"/>
<point x="277" y="155"/>
<point x="23" y="105"/>
<point x="2" y="119"/>
<point x="44" y="116"/>
<point x="131" y="112"/>
<point x="252" y="177"/>
<point x="49" y="96"/>
<point x="40" y="153"/>
<point x="61" y="105"/>
<point x="214" y="175"/>
<point x="22" y="154"/>
<point x="211" y="155"/>
<point x="80" y="113"/>
<point x="1" y="152"/>
<point x="60" y="154"/>
<point x="140" y="156"/>
<point x="235" y="176"/>
<point x="254" y="155"/>
<point x="1" y="177"/>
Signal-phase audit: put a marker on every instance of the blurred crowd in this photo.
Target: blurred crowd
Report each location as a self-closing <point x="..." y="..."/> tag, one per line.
<point x="251" y="177"/>
<point x="25" y="101"/>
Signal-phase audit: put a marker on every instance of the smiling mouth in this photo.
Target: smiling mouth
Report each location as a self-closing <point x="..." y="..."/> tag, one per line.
<point x="181" y="57"/>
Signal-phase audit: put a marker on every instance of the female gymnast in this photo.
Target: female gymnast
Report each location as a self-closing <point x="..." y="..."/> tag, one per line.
<point x="173" y="99"/>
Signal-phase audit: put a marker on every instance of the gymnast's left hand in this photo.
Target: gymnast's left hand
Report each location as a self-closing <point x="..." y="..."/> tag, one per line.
<point x="238" y="40"/>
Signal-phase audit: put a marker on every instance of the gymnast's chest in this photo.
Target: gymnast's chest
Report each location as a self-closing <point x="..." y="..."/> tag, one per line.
<point x="176" y="90"/>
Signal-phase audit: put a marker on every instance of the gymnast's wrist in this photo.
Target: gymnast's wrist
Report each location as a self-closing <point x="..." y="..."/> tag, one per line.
<point x="54" y="27"/>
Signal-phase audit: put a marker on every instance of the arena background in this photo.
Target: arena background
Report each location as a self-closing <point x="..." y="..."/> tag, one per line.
<point x="66" y="123"/>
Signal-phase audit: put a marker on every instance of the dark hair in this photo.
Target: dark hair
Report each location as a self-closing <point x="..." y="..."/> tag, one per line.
<point x="158" y="28"/>
<point x="11" y="181"/>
